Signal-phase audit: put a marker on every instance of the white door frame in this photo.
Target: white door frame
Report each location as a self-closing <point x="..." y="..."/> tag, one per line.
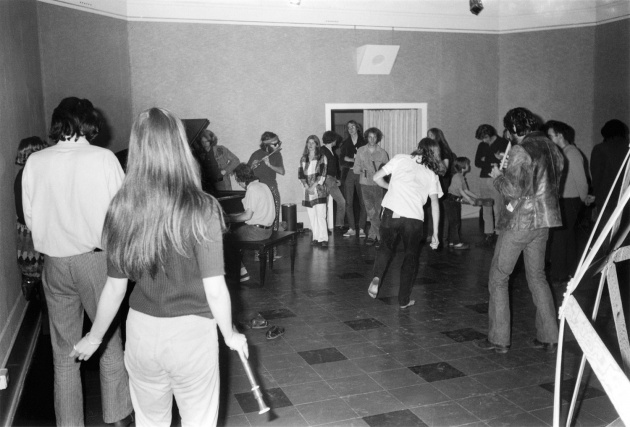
<point x="422" y="125"/>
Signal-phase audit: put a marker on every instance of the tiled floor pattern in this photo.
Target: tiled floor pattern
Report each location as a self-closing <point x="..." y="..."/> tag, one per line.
<point x="349" y="360"/>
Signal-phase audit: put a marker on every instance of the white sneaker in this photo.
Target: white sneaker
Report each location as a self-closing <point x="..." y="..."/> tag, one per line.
<point x="361" y="232"/>
<point x="350" y="233"/>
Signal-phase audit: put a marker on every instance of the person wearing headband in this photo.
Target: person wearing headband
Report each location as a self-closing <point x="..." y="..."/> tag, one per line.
<point x="266" y="167"/>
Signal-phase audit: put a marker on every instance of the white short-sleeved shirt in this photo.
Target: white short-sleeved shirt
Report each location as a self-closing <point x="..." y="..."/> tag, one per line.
<point x="66" y="190"/>
<point x="259" y="200"/>
<point x="410" y="186"/>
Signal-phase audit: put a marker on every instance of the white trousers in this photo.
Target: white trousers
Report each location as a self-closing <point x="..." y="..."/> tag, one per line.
<point x="317" y="217"/>
<point x="173" y="356"/>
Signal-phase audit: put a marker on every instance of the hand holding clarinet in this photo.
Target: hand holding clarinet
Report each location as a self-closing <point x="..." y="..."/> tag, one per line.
<point x="238" y="343"/>
<point x="497" y="171"/>
<point x="265" y="159"/>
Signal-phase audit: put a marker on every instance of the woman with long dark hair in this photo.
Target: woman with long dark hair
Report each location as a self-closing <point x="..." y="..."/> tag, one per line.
<point x="312" y="174"/>
<point x="166" y="234"/>
<point x="444" y="172"/>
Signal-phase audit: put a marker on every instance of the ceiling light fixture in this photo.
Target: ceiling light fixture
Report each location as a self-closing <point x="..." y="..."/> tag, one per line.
<point x="295" y="2"/>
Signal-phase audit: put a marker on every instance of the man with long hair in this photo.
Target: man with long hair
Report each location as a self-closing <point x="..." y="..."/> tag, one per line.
<point x="530" y="187"/>
<point x="413" y="181"/>
<point x="267" y="165"/>
<point x="66" y="191"/>
<point x="367" y="162"/>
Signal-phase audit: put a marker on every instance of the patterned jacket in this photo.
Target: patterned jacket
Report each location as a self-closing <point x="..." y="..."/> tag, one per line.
<point x="530" y="185"/>
<point x="314" y="172"/>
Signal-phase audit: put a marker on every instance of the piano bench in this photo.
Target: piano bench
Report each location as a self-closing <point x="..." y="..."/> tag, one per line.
<point x="263" y="247"/>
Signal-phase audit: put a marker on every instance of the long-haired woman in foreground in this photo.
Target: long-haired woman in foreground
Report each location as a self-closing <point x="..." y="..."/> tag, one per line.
<point x="165" y="233"/>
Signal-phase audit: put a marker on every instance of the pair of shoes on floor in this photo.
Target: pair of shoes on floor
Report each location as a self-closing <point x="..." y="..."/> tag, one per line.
<point x="486" y="345"/>
<point x="274" y="332"/>
<point x="373" y="288"/>
<point x="409" y="304"/>
<point x="460" y="245"/>
<point x="549" y="347"/>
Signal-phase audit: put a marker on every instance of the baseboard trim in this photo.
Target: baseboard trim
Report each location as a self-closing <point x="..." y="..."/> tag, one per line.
<point x="19" y="362"/>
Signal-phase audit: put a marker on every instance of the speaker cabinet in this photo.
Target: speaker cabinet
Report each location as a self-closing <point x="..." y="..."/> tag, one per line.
<point x="376" y="59"/>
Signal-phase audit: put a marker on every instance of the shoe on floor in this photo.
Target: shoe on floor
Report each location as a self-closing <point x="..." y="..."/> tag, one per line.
<point x="484" y="344"/>
<point x="461" y="245"/>
<point x="370" y="241"/>
<point x="373" y="288"/>
<point x="361" y="232"/>
<point x="323" y="244"/>
<point x="350" y="233"/>
<point x="549" y="347"/>
<point x="274" y="332"/>
<point x="314" y="243"/>
<point x="409" y="304"/>
<point x="244" y="277"/>
<point x="258" y="322"/>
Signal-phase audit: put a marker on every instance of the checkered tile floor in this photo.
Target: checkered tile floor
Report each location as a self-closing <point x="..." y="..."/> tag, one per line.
<point x="349" y="360"/>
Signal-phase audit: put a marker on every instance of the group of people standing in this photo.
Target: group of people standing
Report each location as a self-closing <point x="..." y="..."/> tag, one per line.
<point x="323" y="169"/>
<point x="92" y="229"/>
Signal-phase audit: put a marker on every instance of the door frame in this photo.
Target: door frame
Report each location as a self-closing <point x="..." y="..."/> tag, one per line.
<point x="420" y="106"/>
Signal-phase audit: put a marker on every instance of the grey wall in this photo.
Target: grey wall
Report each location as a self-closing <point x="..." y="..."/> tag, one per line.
<point x="87" y="56"/>
<point x="21" y="115"/>
<point x="612" y="75"/>
<point x="250" y="79"/>
<point x="551" y="73"/>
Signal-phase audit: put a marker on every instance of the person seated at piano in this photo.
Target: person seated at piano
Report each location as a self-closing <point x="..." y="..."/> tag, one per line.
<point x="226" y="161"/>
<point x="259" y="213"/>
<point x="255" y="222"/>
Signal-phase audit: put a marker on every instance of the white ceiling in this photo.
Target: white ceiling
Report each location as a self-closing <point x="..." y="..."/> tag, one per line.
<point x="498" y="16"/>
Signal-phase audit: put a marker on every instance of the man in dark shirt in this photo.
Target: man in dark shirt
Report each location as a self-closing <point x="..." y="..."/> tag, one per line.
<point x="350" y="180"/>
<point x="606" y="159"/>
<point x="267" y="166"/>
<point x="333" y="173"/>
<point x="489" y="151"/>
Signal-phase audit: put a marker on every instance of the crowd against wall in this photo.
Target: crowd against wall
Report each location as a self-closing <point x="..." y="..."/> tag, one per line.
<point x="159" y="226"/>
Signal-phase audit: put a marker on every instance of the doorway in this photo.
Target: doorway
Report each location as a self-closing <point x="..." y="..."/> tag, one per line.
<point x="403" y="125"/>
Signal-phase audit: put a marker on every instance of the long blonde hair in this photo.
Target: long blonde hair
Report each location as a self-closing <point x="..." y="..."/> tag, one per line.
<point x="161" y="204"/>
